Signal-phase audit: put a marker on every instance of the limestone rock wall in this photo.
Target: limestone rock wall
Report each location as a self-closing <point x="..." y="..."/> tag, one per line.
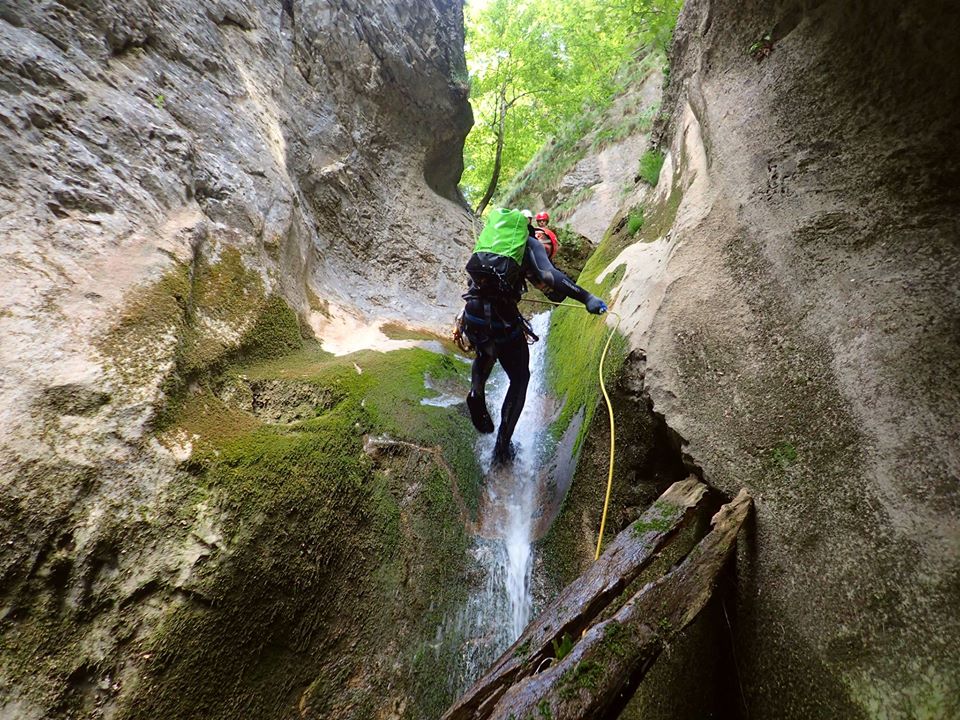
<point x="324" y="144"/>
<point x="800" y="327"/>
<point x="168" y="171"/>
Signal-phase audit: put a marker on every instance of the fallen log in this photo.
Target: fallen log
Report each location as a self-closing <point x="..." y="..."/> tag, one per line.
<point x="601" y="672"/>
<point x="581" y="602"/>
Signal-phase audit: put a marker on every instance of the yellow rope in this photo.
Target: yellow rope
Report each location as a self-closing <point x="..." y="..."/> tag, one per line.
<point x="613" y="425"/>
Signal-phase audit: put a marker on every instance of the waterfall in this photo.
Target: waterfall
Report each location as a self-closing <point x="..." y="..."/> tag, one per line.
<point x="501" y="604"/>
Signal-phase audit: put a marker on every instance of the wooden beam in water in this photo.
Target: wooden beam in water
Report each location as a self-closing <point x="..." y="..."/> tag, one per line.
<point x="583" y="601"/>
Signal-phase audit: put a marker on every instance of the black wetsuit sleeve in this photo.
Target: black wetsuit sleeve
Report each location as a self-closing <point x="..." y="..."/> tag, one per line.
<point x="538" y="268"/>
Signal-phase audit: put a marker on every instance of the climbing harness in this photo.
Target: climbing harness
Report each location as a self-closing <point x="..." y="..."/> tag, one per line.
<point x="613" y="425"/>
<point x="528" y="332"/>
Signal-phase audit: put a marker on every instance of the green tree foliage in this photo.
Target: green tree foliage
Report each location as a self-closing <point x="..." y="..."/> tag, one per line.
<point x="536" y="65"/>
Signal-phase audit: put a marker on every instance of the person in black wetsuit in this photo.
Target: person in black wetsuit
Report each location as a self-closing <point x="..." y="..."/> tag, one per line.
<point x="494" y="325"/>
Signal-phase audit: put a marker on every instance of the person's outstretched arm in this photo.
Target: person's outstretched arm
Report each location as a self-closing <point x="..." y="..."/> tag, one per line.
<point x="537" y="267"/>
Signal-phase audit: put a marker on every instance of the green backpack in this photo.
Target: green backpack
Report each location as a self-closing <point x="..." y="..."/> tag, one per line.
<point x="498" y="254"/>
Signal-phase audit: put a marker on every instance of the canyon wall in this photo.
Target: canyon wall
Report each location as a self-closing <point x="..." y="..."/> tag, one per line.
<point x="792" y="303"/>
<point x="185" y="186"/>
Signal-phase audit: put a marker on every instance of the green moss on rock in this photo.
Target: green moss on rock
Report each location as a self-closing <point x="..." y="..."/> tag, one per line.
<point x="153" y="314"/>
<point x="196" y="318"/>
<point x="583" y="675"/>
<point x="574" y="349"/>
<point x="664" y="520"/>
<point x="275" y="332"/>
<point x="650" y="164"/>
<point x="336" y="556"/>
<point x="224" y="296"/>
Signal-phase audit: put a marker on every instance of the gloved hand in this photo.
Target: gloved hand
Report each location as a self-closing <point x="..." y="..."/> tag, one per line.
<point x="595" y="305"/>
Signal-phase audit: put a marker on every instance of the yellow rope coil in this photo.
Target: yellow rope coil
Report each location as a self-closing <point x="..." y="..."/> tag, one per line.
<point x="613" y="425"/>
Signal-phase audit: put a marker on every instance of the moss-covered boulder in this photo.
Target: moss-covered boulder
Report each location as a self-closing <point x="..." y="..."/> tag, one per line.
<point x="296" y="552"/>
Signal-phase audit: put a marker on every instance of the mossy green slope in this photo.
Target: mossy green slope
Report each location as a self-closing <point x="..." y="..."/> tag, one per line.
<point x="575" y="346"/>
<point x="335" y="563"/>
<point x="576" y="343"/>
<point x="341" y="563"/>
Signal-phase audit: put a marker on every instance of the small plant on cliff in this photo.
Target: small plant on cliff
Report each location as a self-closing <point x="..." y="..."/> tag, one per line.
<point x="784" y="454"/>
<point x="651" y="162"/>
<point x="761" y="47"/>
<point x="158" y="100"/>
<point x="634" y="222"/>
<point x="562" y="648"/>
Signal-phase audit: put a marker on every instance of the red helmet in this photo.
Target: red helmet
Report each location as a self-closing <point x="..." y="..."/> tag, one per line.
<point x="543" y="216"/>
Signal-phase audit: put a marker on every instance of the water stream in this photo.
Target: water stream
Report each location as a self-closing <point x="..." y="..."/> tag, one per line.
<point x="501" y="604"/>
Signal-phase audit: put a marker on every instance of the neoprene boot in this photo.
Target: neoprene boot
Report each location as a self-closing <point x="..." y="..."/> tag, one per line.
<point x="504" y="451"/>
<point x="478" y="413"/>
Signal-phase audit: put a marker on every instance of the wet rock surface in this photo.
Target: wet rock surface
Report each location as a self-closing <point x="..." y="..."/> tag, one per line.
<point x="793" y="289"/>
<point x="178" y="183"/>
<point x="797" y="325"/>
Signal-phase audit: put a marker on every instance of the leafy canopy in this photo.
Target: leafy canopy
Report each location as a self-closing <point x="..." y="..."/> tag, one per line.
<point x="546" y="62"/>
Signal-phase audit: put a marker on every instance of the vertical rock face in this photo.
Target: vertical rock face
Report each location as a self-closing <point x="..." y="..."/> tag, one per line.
<point x="800" y="325"/>
<point x="320" y="136"/>
<point x="394" y="82"/>
<point x="168" y="170"/>
<point x="322" y="144"/>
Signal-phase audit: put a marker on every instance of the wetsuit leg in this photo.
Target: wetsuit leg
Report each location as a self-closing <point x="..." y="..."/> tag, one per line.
<point x="514" y="356"/>
<point x="479" y="373"/>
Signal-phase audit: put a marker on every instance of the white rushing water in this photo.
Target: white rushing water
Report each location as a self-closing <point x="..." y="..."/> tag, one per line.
<point x="501" y="604"/>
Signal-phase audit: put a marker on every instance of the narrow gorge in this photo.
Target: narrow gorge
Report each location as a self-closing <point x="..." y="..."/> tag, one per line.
<point x="238" y="479"/>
